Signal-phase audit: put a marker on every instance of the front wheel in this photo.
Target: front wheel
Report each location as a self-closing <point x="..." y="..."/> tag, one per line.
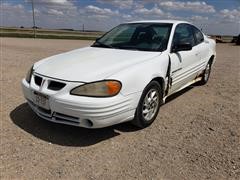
<point x="206" y="74"/>
<point x="149" y="105"/>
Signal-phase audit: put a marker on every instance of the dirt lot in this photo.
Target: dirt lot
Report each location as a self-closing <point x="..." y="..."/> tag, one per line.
<point x="195" y="136"/>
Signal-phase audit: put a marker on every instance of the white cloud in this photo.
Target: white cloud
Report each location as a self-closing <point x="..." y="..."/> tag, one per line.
<point x="52" y="2"/>
<point x="55" y="12"/>
<point x="94" y="10"/>
<point x="64" y="8"/>
<point x="11" y="13"/>
<point x="64" y="2"/>
<point x="47" y="15"/>
<point x="137" y="5"/>
<point x="68" y="14"/>
<point x="144" y="11"/>
<point x="122" y="4"/>
<point x="196" y="6"/>
<point x="126" y="16"/>
<point x="199" y="18"/>
<point x="230" y="15"/>
<point x="8" y="7"/>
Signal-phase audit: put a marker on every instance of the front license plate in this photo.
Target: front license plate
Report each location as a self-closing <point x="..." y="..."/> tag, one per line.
<point x="41" y="100"/>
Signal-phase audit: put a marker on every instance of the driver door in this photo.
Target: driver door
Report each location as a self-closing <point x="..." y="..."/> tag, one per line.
<point x="183" y="62"/>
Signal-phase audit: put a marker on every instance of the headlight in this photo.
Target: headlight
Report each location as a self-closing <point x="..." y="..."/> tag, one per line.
<point x="29" y="75"/>
<point x="106" y="88"/>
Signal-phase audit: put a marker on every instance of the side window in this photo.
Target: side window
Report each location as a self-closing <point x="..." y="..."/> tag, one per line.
<point x="198" y="35"/>
<point x="183" y="33"/>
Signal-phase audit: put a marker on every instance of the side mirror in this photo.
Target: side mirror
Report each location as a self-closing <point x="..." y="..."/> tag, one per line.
<point x="182" y="46"/>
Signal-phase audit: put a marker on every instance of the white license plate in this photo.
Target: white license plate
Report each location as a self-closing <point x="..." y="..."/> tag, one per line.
<point x="41" y="100"/>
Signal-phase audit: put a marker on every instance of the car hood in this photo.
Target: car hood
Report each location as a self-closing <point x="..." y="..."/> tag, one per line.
<point x="90" y="63"/>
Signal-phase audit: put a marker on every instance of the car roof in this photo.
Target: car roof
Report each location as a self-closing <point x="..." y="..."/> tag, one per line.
<point x="159" y="21"/>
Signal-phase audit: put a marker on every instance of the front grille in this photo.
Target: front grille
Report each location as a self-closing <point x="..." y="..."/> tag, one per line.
<point x="38" y="80"/>
<point x="56" y="86"/>
<point x="52" y="85"/>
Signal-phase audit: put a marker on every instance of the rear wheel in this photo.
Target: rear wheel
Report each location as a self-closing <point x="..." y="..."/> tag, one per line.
<point x="149" y="105"/>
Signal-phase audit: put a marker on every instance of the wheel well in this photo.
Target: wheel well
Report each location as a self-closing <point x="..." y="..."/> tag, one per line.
<point x="211" y="59"/>
<point x="161" y="81"/>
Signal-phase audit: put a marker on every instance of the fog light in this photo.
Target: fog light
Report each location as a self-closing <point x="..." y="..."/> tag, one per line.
<point x="87" y="122"/>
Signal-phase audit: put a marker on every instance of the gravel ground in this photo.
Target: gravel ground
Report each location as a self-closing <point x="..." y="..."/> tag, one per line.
<point x="195" y="136"/>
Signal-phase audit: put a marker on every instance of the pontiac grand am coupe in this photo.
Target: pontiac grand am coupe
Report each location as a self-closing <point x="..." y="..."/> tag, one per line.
<point x="125" y="75"/>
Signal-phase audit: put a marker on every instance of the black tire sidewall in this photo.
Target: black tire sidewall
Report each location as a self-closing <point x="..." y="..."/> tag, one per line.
<point x="210" y="68"/>
<point x="203" y="81"/>
<point x="139" y="119"/>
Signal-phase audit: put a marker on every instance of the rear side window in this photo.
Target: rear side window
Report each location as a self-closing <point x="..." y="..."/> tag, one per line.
<point x="183" y="33"/>
<point x="198" y="35"/>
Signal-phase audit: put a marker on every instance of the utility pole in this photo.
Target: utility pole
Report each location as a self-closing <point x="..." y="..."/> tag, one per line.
<point x="83" y="28"/>
<point x="34" y="25"/>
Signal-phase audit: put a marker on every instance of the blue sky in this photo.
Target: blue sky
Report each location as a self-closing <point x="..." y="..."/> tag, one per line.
<point x="213" y="16"/>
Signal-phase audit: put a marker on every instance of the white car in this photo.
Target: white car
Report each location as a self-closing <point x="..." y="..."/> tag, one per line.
<point x="124" y="76"/>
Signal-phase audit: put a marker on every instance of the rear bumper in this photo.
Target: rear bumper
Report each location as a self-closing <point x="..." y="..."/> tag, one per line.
<point x="80" y="111"/>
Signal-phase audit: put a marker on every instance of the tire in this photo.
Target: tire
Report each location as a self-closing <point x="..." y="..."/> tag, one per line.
<point x="206" y="74"/>
<point x="149" y="105"/>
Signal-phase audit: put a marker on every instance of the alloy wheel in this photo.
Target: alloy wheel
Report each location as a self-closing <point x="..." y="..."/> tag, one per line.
<point x="150" y="104"/>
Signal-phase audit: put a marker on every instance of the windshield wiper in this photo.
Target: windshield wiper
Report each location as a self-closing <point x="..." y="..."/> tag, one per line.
<point x="100" y="44"/>
<point x="134" y="48"/>
<point x="128" y="48"/>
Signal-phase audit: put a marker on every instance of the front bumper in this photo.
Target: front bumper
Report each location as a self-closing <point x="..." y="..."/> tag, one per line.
<point x="88" y="112"/>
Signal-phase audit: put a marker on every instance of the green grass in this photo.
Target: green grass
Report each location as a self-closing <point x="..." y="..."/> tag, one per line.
<point x="49" y="34"/>
<point x="46" y="36"/>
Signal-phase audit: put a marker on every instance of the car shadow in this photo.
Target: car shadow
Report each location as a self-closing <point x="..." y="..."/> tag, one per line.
<point x="66" y="135"/>
<point x="179" y="93"/>
<point x="61" y="134"/>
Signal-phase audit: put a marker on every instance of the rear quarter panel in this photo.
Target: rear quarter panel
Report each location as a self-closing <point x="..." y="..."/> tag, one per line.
<point x="211" y="48"/>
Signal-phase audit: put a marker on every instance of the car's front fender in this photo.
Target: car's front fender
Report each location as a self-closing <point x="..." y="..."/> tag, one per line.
<point x="136" y="77"/>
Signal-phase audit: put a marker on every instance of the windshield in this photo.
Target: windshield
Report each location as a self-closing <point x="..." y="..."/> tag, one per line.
<point x="137" y="36"/>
